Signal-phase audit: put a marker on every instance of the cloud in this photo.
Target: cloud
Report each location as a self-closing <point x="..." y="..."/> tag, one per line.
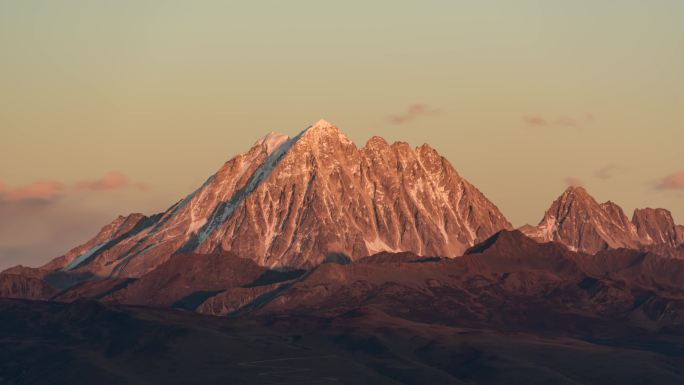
<point x="113" y="180"/>
<point x="560" y="121"/>
<point x="413" y="112"/>
<point x="46" y="190"/>
<point x="32" y="232"/>
<point x="609" y="171"/>
<point x="535" y="120"/>
<point x="567" y="121"/>
<point x="674" y="181"/>
<point x="574" y="182"/>
<point x="42" y="220"/>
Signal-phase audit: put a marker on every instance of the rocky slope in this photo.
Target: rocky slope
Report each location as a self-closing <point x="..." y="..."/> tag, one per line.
<point x="292" y="202"/>
<point x="508" y="281"/>
<point x="656" y="226"/>
<point x="578" y="221"/>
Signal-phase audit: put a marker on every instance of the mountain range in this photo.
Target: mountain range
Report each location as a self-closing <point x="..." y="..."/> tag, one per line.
<point x="292" y="204"/>
<point x="378" y="264"/>
<point x="579" y="222"/>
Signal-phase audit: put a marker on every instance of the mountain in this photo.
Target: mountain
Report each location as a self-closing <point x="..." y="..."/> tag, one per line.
<point x="656" y="226"/>
<point x="109" y="236"/>
<point x="293" y="202"/>
<point x="579" y="222"/>
<point x="507" y="282"/>
<point x="310" y="259"/>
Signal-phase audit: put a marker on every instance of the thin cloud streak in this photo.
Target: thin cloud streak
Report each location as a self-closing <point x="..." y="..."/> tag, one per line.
<point x="536" y="120"/>
<point x="46" y="190"/>
<point x="43" y="219"/>
<point x="413" y="112"/>
<point x="113" y="180"/>
<point x="674" y="181"/>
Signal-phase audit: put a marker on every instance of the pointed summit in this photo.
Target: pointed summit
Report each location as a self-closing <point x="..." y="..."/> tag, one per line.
<point x="576" y="193"/>
<point x="376" y="142"/>
<point x="322" y="128"/>
<point x="322" y="134"/>
<point x="322" y="124"/>
<point x="576" y="190"/>
<point x="578" y="221"/>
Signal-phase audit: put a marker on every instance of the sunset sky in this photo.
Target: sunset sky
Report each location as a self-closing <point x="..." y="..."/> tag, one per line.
<point x="111" y="107"/>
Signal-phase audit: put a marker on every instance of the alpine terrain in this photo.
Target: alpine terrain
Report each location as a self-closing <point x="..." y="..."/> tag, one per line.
<point x="309" y="260"/>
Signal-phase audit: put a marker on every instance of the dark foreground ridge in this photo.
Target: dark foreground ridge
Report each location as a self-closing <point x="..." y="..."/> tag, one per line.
<point x="509" y="311"/>
<point x="91" y="343"/>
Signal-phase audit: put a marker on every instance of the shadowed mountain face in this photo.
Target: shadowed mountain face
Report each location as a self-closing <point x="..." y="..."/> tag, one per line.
<point x="509" y="282"/>
<point x="511" y="310"/>
<point x="291" y="202"/>
<point x="88" y="342"/>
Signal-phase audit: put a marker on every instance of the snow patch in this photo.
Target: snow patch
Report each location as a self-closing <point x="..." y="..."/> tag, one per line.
<point x="196" y="225"/>
<point x="83" y="257"/>
<point x="378" y="245"/>
<point x="272" y="141"/>
<point x="225" y="209"/>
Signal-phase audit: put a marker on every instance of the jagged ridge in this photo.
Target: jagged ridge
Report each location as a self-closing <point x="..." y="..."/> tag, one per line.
<point x="289" y="202"/>
<point x="578" y="221"/>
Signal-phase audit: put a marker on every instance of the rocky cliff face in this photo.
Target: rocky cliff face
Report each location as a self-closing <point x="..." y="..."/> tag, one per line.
<point x="656" y="226"/>
<point x="578" y="221"/>
<point x="293" y="202"/>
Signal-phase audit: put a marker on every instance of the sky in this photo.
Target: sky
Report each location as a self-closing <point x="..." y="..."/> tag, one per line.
<point x="108" y="108"/>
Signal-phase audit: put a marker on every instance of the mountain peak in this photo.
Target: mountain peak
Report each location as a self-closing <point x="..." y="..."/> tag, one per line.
<point x="576" y="190"/>
<point x="322" y="128"/>
<point x="578" y="221"/>
<point x="376" y="142"/>
<point x="322" y="123"/>
<point x="323" y="132"/>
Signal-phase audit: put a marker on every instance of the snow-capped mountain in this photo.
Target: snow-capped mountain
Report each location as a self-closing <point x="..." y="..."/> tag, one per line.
<point x="293" y="202"/>
<point x="578" y="221"/>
